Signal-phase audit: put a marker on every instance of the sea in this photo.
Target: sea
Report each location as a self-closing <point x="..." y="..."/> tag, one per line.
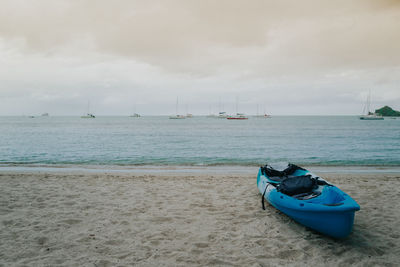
<point x="198" y="141"/>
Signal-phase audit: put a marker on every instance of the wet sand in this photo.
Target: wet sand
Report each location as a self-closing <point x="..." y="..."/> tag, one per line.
<point x="183" y="219"/>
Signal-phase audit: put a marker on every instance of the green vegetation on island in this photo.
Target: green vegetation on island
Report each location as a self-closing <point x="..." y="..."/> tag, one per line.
<point x="388" y="111"/>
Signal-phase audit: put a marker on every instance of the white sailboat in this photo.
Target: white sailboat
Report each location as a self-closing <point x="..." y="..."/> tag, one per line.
<point x="237" y="116"/>
<point x="134" y="114"/>
<point x="221" y="114"/>
<point x="265" y="115"/>
<point x="177" y="116"/>
<point x="88" y="114"/>
<point x="368" y="114"/>
<point x="188" y="115"/>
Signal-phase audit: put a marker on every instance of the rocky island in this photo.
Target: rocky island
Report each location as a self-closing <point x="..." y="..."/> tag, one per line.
<point x="387" y="112"/>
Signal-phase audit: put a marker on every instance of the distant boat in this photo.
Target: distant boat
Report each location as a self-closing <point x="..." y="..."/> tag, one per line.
<point x="188" y="114"/>
<point x="369" y="115"/>
<point x="31" y="117"/>
<point x="177" y="116"/>
<point x="238" y="116"/>
<point x="222" y="115"/>
<point x="88" y="114"/>
<point x="134" y="114"/>
<point x="45" y="114"/>
<point x="265" y="115"/>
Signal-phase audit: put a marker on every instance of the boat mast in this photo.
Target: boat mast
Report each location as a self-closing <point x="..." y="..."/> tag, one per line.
<point x="369" y="102"/>
<point x="237" y="100"/>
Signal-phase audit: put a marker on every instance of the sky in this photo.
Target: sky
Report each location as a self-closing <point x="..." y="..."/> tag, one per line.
<point x="283" y="57"/>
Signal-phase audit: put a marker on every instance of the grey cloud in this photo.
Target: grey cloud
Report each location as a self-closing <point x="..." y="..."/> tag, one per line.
<point x="265" y="51"/>
<point x="187" y="35"/>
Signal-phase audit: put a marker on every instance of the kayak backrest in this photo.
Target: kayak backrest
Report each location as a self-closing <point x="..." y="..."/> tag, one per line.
<point x="291" y="169"/>
<point x="271" y="172"/>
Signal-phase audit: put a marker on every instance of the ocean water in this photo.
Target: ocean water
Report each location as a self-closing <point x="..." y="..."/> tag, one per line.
<point x="199" y="141"/>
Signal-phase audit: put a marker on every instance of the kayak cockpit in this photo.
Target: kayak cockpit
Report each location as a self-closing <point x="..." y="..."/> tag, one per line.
<point x="328" y="196"/>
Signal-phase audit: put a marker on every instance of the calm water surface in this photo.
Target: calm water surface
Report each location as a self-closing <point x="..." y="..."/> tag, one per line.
<point x="306" y="140"/>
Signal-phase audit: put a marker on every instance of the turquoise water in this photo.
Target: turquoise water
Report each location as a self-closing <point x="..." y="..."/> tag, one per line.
<point x="305" y="140"/>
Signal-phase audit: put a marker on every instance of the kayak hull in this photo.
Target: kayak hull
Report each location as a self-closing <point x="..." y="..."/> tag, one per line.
<point x="331" y="213"/>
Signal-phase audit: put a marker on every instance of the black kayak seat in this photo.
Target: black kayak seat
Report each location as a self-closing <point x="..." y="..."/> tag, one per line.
<point x="271" y="172"/>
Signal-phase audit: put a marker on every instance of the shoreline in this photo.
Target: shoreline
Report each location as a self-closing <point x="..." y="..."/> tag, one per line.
<point x="182" y="169"/>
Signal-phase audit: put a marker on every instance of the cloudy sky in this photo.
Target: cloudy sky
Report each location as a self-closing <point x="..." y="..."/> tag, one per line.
<point x="289" y="57"/>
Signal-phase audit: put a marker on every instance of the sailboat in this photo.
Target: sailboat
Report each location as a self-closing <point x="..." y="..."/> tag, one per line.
<point x="238" y="116"/>
<point x="177" y="116"/>
<point x="88" y="114"/>
<point x="188" y="115"/>
<point x="134" y="115"/>
<point x="369" y="115"/>
<point x="221" y="114"/>
<point x="265" y="115"/>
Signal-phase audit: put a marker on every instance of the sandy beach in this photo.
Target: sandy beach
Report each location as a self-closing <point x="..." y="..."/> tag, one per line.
<point x="183" y="219"/>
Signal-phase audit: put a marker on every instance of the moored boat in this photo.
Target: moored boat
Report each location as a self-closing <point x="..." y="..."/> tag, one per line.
<point x="177" y="117"/>
<point x="308" y="199"/>
<point x="88" y="114"/>
<point x="238" y="116"/>
<point x="135" y="115"/>
<point x="265" y="116"/>
<point x="222" y="115"/>
<point x="370" y="116"/>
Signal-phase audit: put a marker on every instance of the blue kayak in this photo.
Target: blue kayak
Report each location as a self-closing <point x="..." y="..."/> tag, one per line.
<point x="308" y="199"/>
